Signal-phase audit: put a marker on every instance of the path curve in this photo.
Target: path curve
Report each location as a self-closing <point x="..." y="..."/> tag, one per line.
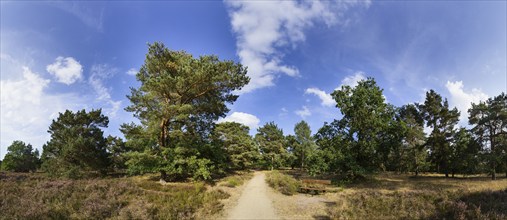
<point x="254" y="202"/>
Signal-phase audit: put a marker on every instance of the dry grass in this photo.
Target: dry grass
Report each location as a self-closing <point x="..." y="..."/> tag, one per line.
<point x="395" y="196"/>
<point x="33" y="196"/>
<point x="235" y="180"/>
<point x="391" y="196"/>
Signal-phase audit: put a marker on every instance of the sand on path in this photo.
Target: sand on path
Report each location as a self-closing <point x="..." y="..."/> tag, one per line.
<point x="254" y="202"/>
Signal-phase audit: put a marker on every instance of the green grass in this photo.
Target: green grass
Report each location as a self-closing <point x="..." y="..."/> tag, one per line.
<point x="284" y="183"/>
<point x="33" y="196"/>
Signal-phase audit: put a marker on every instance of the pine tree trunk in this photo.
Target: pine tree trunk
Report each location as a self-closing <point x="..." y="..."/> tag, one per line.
<point x="163" y="175"/>
<point x="415" y="160"/>
<point x="302" y="158"/>
<point x="272" y="161"/>
<point x="493" y="162"/>
<point x="163" y="133"/>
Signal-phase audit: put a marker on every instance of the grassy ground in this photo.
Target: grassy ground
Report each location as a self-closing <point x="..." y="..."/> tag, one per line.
<point x="389" y="196"/>
<point x="402" y="196"/>
<point x="235" y="180"/>
<point x="34" y="196"/>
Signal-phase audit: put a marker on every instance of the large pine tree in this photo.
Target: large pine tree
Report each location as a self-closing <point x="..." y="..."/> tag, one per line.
<point x="178" y="101"/>
<point x="490" y="126"/>
<point x="442" y="121"/>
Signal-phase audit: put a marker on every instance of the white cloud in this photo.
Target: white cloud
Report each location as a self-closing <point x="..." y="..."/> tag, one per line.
<point x="66" y="70"/>
<point x="385" y="99"/>
<point x="99" y="73"/>
<point x="304" y="112"/>
<point x="27" y="107"/>
<point x="26" y="91"/>
<point x="352" y="80"/>
<point x="132" y="71"/>
<point x="26" y="110"/>
<point x="462" y="99"/>
<point x="326" y="99"/>
<point x="263" y="27"/>
<point x="243" y="118"/>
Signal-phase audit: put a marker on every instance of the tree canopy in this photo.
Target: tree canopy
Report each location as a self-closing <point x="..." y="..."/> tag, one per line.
<point x="490" y="126"/>
<point x="236" y="144"/>
<point x="272" y="145"/>
<point x="364" y="116"/>
<point x="305" y="145"/>
<point x="20" y="157"/>
<point x="77" y="144"/>
<point x="180" y="99"/>
<point x="442" y="121"/>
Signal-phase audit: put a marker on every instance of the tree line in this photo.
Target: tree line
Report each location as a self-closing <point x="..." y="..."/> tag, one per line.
<point x="181" y="97"/>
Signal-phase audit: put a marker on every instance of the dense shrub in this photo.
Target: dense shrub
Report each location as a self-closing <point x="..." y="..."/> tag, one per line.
<point x="141" y="163"/>
<point x="282" y="182"/>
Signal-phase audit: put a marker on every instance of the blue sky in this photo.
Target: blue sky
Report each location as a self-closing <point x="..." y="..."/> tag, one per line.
<point x="75" y="55"/>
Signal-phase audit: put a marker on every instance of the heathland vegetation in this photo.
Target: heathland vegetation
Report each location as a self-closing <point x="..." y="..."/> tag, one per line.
<point x="178" y="102"/>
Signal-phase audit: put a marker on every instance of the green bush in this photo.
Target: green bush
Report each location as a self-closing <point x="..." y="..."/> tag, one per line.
<point x="284" y="183"/>
<point x="141" y="163"/>
<point x="233" y="182"/>
<point x="236" y="180"/>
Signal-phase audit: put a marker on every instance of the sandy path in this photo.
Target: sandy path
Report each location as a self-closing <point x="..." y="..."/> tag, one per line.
<point x="254" y="202"/>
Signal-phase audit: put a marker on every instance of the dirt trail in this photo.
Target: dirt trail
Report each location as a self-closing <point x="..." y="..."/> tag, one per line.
<point x="254" y="202"/>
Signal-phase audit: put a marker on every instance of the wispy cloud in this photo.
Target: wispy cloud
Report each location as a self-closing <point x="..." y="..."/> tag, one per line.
<point x="90" y="14"/>
<point x="99" y="73"/>
<point x="66" y="70"/>
<point x="262" y="28"/>
<point x="304" y="112"/>
<point x="243" y="118"/>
